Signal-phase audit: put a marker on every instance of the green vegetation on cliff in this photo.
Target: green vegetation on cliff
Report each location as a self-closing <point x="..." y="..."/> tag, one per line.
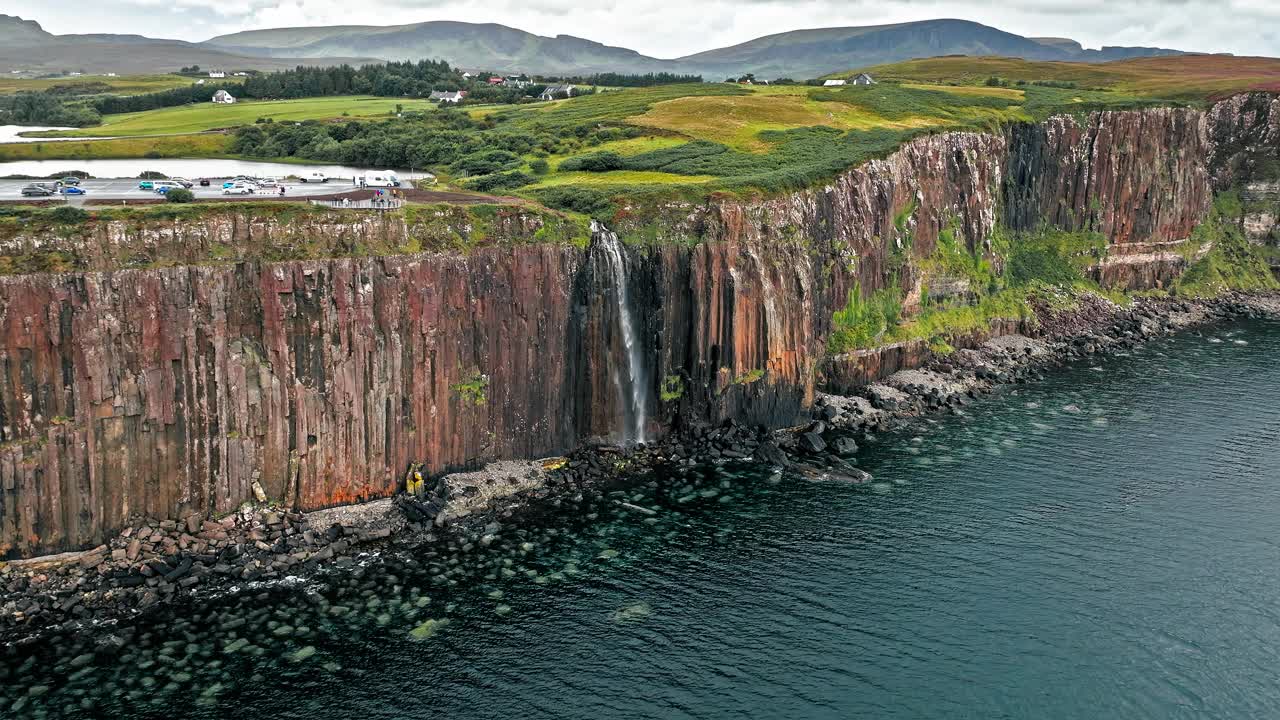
<point x="998" y="282"/>
<point x="986" y="285"/>
<point x="1222" y="258"/>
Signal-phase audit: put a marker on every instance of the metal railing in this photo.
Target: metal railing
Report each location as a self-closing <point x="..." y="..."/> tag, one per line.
<point x="373" y="204"/>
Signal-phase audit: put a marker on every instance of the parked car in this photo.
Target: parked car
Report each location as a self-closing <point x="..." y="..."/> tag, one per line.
<point x="239" y="189"/>
<point x="73" y="190"/>
<point x="204" y="182"/>
<point x="36" y="191"/>
<point x="267" y="182"/>
<point x="314" y="177"/>
<point x="71" y="181"/>
<point x="183" y="182"/>
<point x="163" y="186"/>
<point x="239" y="179"/>
<point x="147" y="185"/>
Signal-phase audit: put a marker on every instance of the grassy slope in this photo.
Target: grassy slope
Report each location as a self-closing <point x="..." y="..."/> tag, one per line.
<point x="208" y="116"/>
<point x="125" y="85"/>
<point x="1188" y="78"/>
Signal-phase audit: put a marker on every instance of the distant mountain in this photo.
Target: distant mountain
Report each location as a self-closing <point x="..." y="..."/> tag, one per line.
<point x="467" y="45"/>
<point x="25" y="46"/>
<point x="811" y="53"/>
<point x="18" y="32"/>
<point x="797" y="54"/>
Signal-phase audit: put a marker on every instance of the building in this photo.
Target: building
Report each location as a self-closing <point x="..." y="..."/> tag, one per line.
<point x="200" y="81"/>
<point x="864" y="79"/>
<point x="217" y="74"/>
<point x="833" y="83"/>
<point x="446" y="96"/>
<point x="496" y="80"/>
<point x="555" y="92"/>
<point x="222" y="97"/>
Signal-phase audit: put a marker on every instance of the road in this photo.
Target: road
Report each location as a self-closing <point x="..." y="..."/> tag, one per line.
<point x="127" y="189"/>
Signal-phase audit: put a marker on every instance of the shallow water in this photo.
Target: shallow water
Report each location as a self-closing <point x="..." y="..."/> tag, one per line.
<point x="17" y="133"/>
<point x="1102" y="544"/>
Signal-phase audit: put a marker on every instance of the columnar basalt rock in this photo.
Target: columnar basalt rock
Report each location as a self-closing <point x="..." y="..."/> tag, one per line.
<point x="164" y="392"/>
<point x="1134" y="177"/>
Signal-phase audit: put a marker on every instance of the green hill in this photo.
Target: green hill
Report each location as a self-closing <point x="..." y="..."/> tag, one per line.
<point x="466" y="45"/>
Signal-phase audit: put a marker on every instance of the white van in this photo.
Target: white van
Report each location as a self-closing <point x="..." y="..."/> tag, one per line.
<point x="167" y="185"/>
<point x="381" y="179"/>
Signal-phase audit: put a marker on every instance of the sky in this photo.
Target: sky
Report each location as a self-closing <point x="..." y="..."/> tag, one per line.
<point x="671" y="28"/>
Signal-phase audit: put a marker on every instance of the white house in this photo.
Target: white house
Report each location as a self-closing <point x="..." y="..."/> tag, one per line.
<point x="447" y="96"/>
<point x="554" y="92"/>
<point x="200" y="81"/>
<point x="864" y="79"/>
<point x="833" y="83"/>
<point x="242" y="74"/>
<point x="217" y="74"/>
<point x="222" y="97"/>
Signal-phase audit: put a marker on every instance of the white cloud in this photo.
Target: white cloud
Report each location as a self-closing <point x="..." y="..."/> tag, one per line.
<point x="670" y="28"/>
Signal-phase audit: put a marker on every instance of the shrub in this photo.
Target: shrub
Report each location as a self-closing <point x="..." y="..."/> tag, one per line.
<point x="540" y="167"/>
<point x="500" y="181"/>
<point x="583" y="200"/>
<point x="152" y="175"/>
<point x="180" y="195"/>
<point x="594" y="162"/>
<point x="68" y="215"/>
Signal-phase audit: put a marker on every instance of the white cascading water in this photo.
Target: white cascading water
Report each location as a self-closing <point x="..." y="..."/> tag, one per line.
<point x="632" y="393"/>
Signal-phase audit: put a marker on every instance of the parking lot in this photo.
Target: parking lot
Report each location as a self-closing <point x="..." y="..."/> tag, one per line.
<point x="127" y="189"/>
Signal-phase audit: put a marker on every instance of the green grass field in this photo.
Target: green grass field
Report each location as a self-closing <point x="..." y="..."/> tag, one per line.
<point x="174" y="146"/>
<point x="208" y="116"/>
<point x="126" y="85"/>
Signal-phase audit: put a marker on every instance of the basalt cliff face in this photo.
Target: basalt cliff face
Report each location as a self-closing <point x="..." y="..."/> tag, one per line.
<point x="170" y="391"/>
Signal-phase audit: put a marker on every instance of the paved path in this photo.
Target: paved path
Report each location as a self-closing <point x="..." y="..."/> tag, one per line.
<point x="127" y="189"/>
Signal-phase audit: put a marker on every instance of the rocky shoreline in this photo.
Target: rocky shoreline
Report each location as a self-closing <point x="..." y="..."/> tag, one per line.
<point x="152" y="563"/>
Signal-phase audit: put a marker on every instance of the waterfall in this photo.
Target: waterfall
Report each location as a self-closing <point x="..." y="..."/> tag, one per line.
<point x="633" y="393"/>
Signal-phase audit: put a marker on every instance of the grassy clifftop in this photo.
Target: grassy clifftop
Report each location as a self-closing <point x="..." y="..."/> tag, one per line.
<point x="67" y="239"/>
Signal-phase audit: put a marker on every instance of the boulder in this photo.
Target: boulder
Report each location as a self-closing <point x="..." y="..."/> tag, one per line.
<point x="812" y="442"/>
<point x="844" y="446"/>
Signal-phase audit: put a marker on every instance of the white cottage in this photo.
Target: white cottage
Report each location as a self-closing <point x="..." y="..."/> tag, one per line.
<point x="222" y="97"/>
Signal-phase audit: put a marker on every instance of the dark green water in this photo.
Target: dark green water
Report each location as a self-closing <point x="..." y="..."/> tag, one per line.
<point x="1101" y="545"/>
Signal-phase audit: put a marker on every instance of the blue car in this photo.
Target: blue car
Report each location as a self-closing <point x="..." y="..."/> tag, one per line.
<point x="72" y="191"/>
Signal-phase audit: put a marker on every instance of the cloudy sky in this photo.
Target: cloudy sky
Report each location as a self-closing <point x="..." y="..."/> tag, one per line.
<point x="670" y="28"/>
